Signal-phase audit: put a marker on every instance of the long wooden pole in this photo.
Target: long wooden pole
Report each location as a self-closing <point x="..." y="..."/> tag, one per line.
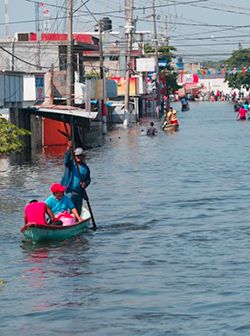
<point x="156" y="62"/>
<point x="69" y="53"/>
<point x="129" y="27"/>
<point x="103" y="78"/>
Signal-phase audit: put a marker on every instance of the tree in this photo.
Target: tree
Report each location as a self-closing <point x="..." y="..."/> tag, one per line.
<point x="238" y="77"/>
<point x="11" y="136"/>
<point x="166" y="52"/>
<point x="92" y="75"/>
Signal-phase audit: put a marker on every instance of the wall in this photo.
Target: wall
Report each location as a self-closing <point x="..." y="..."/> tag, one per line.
<point x="51" y="136"/>
<point x="218" y="84"/>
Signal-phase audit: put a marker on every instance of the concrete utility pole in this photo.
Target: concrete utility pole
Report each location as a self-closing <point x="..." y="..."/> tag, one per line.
<point x="103" y="78"/>
<point x="158" y="96"/>
<point x="69" y="87"/>
<point x="38" y="33"/>
<point x="129" y="29"/>
<point x="166" y="39"/>
<point x="13" y="54"/>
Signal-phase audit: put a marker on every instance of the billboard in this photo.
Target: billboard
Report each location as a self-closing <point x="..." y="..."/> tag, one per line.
<point x="145" y="64"/>
<point x="121" y="86"/>
<point x="162" y="63"/>
<point x="189" y="78"/>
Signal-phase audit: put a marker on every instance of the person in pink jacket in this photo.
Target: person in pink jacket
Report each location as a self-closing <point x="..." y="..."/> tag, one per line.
<point x="36" y="212"/>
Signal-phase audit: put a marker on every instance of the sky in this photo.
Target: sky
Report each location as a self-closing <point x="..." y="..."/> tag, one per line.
<point x="199" y="29"/>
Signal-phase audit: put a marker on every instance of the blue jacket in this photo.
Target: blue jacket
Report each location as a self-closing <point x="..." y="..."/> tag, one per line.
<point x="71" y="176"/>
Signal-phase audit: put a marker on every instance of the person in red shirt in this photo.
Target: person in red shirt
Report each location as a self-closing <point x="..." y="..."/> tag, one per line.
<point x="35" y="212"/>
<point x="242" y="113"/>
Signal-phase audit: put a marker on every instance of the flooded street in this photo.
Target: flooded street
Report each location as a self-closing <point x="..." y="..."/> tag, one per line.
<point x="171" y="255"/>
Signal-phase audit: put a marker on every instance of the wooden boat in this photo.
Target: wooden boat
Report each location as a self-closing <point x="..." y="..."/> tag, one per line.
<point x="171" y="128"/>
<point x="40" y="232"/>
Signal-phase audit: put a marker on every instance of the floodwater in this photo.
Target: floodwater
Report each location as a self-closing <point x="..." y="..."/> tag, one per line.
<point x="171" y="255"/>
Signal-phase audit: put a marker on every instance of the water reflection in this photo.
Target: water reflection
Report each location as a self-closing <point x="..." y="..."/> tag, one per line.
<point x="54" y="151"/>
<point x="52" y="265"/>
<point x="19" y="158"/>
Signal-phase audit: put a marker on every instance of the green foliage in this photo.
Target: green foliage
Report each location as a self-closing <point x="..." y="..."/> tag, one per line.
<point x="163" y="50"/>
<point x="10" y="136"/>
<point x="171" y="82"/>
<point x="237" y="79"/>
<point x="166" y="52"/>
<point x="212" y="64"/>
<point x="148" y="48"/>
<point x="239" y="58"/>
<point x="92" y="75"/>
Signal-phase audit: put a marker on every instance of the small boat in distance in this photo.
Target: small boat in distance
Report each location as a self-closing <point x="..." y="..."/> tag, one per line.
<point x="40" y="232"/>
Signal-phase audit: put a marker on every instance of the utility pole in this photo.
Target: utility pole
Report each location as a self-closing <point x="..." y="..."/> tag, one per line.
<point x="103" y="78"/>
<point x="52" y="84"/>
<point x="38" y="33"/>
<point x="13" y="54"/>
<point x="69" y="87"/>
<point x="129" y="29"/>
<point x="166" y="39"/>
<point x="158" y="96"/>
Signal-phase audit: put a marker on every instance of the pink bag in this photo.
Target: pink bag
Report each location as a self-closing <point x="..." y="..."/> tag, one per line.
<point x="66" y="218"/>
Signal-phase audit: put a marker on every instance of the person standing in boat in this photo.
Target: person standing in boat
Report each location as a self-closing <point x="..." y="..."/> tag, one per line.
<point x="172" y="117"/>
<point x="37" y="212"/>
<point x="76" y="179"/>
<point x="60" y="204"/>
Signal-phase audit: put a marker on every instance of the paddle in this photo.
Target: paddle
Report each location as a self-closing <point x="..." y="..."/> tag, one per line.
<point x="85" y="195"/>
<point x="164" y="125"/>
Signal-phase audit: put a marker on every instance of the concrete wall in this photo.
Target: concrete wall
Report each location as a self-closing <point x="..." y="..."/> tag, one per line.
<point x="28" y="56"/>
<point x="214" y="84"/>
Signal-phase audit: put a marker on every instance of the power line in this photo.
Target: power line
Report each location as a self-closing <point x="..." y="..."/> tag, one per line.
<point x="84" y="13"/>
<point x="220" y="10"/>
<point x="20" y="59"/>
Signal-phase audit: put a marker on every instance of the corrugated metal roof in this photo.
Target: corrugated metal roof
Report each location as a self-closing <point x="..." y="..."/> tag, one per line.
<point x="61" y="110"/>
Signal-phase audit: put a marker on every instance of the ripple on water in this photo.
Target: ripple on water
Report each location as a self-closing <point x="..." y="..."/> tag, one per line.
<point x="171" y="255"/>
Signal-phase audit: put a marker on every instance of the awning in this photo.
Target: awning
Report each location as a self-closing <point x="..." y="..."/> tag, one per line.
<point x="60" y="112"/>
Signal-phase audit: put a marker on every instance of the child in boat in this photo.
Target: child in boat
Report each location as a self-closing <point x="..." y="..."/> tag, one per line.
<point x="60" y="204"/>
<point x="36" y="212"/>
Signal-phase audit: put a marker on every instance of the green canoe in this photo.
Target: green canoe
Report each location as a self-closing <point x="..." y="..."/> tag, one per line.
<point x="40" y="232"/>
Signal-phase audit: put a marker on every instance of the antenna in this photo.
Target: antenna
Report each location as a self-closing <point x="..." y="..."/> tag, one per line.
<point x="6" y="17"/>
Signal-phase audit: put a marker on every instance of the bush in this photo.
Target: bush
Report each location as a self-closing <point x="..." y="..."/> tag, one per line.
<point x="11" y="136"/>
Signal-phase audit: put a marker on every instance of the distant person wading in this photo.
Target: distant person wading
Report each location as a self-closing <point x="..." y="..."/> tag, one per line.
<point x="151" y="131"/>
